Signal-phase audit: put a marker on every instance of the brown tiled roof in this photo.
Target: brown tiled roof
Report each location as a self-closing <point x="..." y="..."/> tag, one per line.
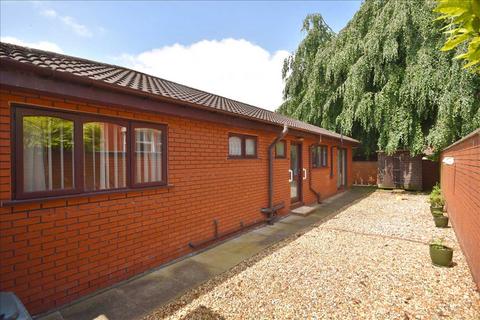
<point x="126" y="78"/>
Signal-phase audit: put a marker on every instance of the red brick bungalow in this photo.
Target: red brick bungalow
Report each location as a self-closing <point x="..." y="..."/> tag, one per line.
<point x="107" y="172"/>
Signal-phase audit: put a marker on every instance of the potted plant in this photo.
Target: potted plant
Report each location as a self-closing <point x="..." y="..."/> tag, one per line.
<point x="436" y="201"/>
<point x="441" y="221"/>
<point x="440" y="254"/>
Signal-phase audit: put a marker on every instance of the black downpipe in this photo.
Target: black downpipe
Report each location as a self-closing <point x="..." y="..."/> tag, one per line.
<point x="270" y="165"/>
<point x="270" y="211"/>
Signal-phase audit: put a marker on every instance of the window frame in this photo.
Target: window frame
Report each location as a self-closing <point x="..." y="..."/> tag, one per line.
<point x="318" y="153"/>
<point x="17" y="173"/>
<point x="88" y="119"/>
<point x="144" y="125"/>
<point x="243" y="153"/>
<point x="79" y="119"/>
<point x="284" y="156"/>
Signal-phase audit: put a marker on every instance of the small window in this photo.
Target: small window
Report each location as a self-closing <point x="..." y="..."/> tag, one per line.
<point x="148" y="155"/>
<point x="250" y="147"/>
<point x="280" y="151"/>
<point x="242" y="146"/>
<point x="319" y="156"/>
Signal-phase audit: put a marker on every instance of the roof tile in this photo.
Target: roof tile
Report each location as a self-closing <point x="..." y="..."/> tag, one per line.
<point x="123" y="77"/>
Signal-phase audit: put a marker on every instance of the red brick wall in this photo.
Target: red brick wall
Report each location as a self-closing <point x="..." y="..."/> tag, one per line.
<point x="53" y="252"/>
<point x="365" y="172"/>
<point x="460" y="184"/>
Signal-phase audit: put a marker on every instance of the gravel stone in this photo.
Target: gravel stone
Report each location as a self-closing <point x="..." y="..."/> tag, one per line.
<point x="371" y="261"/>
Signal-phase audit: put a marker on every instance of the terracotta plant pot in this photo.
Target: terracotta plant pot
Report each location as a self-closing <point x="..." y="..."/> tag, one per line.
<point x="441" y="221"/>
<point x="441" y="255"/>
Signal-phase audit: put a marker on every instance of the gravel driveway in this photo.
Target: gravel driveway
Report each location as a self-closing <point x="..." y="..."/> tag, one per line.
<point x="370" y="261"/>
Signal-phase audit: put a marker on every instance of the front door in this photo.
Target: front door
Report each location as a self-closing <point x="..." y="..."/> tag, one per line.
<point x="341" y="168"/>
<point x="295" y="172"/>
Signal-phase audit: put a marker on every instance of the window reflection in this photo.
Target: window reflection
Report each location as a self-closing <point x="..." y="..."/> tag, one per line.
<point x="48" y="162"/>
<point x="105" y="157"/>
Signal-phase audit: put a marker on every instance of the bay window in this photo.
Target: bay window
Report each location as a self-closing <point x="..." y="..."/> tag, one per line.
<point x="59" y="153"/>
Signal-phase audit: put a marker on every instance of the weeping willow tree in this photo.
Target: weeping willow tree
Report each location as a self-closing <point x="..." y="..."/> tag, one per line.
<point x="383" y="79"/>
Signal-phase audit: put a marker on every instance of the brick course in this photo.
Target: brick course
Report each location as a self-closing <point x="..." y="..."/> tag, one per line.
<point x="460" y="184"/>
<point x="53" y="252"/>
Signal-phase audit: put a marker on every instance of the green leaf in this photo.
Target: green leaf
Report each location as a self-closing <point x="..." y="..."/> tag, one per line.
<point x="453" y="42"/>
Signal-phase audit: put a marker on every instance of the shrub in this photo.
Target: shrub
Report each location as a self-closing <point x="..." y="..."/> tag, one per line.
<point x="436" y="198"/>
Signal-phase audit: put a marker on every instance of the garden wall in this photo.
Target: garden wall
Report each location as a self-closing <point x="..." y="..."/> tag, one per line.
<point x="364" y="172"/>
<point x="460" y="182"/>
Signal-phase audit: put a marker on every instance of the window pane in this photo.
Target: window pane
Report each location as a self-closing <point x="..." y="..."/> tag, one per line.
<point x="47" y="154"/>
<point x="250" y="147"/>
<point x="235" y="146"/>
<point x="105" y="156"/>
<point x="148" y="155"/>
<point x="324" y="156"/>
<point x="316" y="157"/>
<point x="280" y="149"/>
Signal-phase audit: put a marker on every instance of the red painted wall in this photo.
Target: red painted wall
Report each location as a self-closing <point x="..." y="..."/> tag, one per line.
<point x="53" y="252"/>
<point x="460" y="184"/>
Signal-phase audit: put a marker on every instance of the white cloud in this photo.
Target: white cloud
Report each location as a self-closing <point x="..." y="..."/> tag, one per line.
<point x="42" y="45"/>
<point x="78" y="28"/>
<point x="49" y="13"/>
<point x="70" y="22"/>
<point x="234" y="68"/>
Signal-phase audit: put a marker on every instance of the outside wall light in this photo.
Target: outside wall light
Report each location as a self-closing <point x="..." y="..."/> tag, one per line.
<point x="448" y="160"/>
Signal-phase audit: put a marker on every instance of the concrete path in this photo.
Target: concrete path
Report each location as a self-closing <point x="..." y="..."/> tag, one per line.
<point x="140" y="296"/>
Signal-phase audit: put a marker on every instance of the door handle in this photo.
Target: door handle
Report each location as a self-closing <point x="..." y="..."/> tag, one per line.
<point x="304" y="174"/>
<point x="291" y="175"/>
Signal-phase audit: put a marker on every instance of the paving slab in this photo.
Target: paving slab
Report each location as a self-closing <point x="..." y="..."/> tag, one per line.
<point x="112" y="304"/>
<point x="135" y="298"/>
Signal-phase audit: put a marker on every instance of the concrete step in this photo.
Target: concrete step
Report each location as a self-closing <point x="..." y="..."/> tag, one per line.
<point x="304" y="210"/>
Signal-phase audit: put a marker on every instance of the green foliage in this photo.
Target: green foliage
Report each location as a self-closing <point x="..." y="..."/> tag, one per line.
<point x="463" y="17"/>
<point x="436" y="198"/>
<point x="37" y="128"/>
<point x="439" y="243"/>
<point x="383" y="79"/>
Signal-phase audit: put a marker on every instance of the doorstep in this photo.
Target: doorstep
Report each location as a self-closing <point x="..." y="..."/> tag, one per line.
<point x="138" y="297"/>
<point x="304" y="210"/>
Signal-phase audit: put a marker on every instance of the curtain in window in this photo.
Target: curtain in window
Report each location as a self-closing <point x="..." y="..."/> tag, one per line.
<point x="105" y="157"/>
<point x="148" y="155"/>
<point x="235" y="146"/>
<point x="250" y="147"/>
<point x="47" y="154"/>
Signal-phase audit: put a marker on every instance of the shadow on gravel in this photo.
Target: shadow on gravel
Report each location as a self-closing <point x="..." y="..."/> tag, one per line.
<point x="325" y="213"/>
<point x="203" y="313"/>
